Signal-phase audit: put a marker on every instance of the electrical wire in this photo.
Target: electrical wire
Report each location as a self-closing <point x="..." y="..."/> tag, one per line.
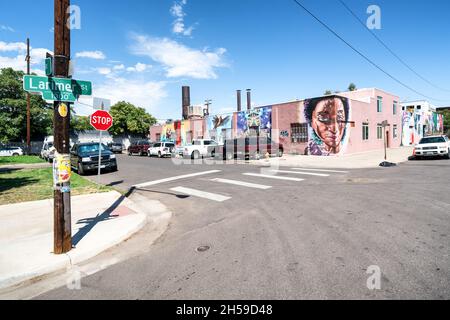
<point x="364" y="56"/>
<point x="389" y="49"/>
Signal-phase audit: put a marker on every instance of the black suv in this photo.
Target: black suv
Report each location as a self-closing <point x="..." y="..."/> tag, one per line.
<point x="84" y="158"/>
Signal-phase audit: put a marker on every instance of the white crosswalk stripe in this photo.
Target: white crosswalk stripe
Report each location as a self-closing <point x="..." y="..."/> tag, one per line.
<point x="319" y="170"/>
<point x="303" y="173"/>
<point x="152" y="183"/>
<point x="201" y="194"/>
<point x="272" y="177"/>
<point x="242" y="184"/>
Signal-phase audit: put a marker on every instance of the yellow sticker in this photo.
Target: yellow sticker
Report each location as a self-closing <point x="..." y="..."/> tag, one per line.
<point x="63" y="110"/>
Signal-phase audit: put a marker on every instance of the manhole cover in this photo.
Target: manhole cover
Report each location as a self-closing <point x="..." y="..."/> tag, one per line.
<point x="203" y="248"/>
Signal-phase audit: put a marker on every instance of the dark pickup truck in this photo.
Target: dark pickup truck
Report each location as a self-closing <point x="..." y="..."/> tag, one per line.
<point x="248" y="148"/>
<point x="140" y="148"/>
<point x="84" y="158"/>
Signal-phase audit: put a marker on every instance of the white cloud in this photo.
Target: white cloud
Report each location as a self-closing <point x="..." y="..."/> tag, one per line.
<point x="6" y="28"/>
<point x="179" y="60"/>
<point x="139" y="67"/>
<point x="104" y="71"/>
<point x="12" y="46"/>
<point x="119" y="67"/>
<point x="177" y="11"/>
<point x="18" y="62"/>
<point x="97" y="55"/>
<point x="142" y="94"/>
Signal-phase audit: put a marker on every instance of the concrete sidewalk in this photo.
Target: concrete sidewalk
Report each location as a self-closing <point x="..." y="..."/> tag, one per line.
<point x="99" y="222"/>
<point x="370" y="159"/>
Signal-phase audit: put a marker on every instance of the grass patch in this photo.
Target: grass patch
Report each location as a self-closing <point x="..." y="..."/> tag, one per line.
<point x="36" y="184"/>
<point x="20" y="160"/>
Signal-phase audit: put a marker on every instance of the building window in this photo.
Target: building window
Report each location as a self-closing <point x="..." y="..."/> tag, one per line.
<point x="158" y="137"/>
<point x="379" y="132"/>
<point x="394" y="111"/>
<point x="299" y="132"/>
<point x="395" y="131"/>
<point x="380" y="104"/>
<point x="365" y="131"/>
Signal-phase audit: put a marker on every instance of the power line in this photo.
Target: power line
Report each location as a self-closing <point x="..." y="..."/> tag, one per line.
<point x="362" y="55"/>
<point x="389" y="49"/>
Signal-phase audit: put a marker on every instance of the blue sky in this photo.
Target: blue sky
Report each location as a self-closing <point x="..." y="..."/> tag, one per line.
<point x="144" y="51"/>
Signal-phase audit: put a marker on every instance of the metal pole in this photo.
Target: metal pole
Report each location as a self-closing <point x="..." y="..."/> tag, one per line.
<point x="28" y="102"/>
<point x="62" y="205"/>
<point x="100" y="157"/>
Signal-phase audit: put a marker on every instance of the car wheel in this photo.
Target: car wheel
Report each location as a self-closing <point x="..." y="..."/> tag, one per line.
<point x="213" y="154"/>
<point x="448" y="155"/>
<point x="195" y="155"/>
<point x="15" y="154"/>
<point x="129" y="153"/>
<point x="141" y="154"/>
<point x="159" y="154"/>
<point x="280" y="153"/>
<point x="80" y="169"/>
<point x="115" y="169"/>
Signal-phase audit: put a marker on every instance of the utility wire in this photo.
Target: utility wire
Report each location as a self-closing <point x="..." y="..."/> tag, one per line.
<point x="362" y="55"/>
<point x="389" y="49"/>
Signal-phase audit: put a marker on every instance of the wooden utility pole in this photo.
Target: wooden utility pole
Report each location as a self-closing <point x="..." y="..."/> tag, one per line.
<point x="28" y="59"/>
<point x="62" y="210"/>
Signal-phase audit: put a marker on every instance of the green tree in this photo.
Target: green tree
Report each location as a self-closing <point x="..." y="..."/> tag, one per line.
<point x="129" y="119"/>
<point x="13" y="110"/>
<point x="80" y="123"/>
<point x="352" y="87"/>
<point x="328" y="92"/>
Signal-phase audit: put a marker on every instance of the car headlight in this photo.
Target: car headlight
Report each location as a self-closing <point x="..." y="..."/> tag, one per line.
<point x="86" y="160"/>
<point x="113" y="156"/>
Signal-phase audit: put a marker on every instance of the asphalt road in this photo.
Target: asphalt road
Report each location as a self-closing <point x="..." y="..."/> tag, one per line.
<point x="310" y="239"/>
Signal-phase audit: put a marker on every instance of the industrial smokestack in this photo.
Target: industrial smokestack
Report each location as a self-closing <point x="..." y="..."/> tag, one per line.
<point x="249" y="99"/>
<point x="186" y="93"/>
<point x="239" y="101"/>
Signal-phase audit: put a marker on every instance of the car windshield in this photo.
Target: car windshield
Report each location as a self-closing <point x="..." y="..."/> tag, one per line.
<point x="91" y="148"/>
<point x="432" y="140"/>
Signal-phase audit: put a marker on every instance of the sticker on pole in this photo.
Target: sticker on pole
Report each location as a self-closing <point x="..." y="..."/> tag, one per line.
<point x="101" y="120"/>
<point x="62" y="170"/>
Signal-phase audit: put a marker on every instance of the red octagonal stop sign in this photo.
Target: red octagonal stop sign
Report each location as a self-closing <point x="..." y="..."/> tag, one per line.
<point x="101" y="120"/>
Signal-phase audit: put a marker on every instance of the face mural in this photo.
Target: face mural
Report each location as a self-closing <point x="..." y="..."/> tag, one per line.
<point x="328" y="120"/>
<point x="168" y="133"/>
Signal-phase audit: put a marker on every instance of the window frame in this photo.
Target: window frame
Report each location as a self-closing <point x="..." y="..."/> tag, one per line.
<point x="379" y="104"/>
<point x="365" y="131"/>
<point x="299" y="132"/>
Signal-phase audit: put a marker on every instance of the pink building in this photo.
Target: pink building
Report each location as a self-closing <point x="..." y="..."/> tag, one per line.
<point x="344" y="123"/>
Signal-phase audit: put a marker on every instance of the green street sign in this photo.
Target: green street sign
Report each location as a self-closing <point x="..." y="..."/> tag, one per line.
<point x="49" y="67"/>
<point x="57" y="89"/>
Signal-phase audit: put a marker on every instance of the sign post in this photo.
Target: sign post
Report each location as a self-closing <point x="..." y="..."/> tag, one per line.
<point x="101" y="120"/>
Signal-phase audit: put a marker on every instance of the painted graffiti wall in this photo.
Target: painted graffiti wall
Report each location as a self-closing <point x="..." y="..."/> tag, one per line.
<point x="417" y="125"/>
<point x="255" y="122"/>
<point x="219" y="127"/>
<point x="328" y="121"/>
<point x="168" y="133"/>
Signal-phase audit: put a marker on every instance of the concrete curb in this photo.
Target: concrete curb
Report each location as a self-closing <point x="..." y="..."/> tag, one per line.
<point x="154" y="212"/>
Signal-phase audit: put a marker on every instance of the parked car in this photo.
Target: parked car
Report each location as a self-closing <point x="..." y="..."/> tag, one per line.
<point x="115" y="147"/>
<point x="141" y="148"/>
<point x="200" y="148"/>
<point x="48" y="151"/>
<point x="247" y="148"/>
<point x="162" y="149"/>
<point x="11" y="151"/>
<point x="84" y="158"/>
<point x="432" y="147"/>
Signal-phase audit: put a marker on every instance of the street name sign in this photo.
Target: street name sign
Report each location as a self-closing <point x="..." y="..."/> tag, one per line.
<point x="57" y="89"/>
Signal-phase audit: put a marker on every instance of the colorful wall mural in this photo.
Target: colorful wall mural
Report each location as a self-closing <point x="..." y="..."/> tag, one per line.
<point x="256" y="122"/>
<point x="328" y="120"/>
<point x="168" y="133"/>
<point x="219" y="127"/>
<point x="417" y="125"/>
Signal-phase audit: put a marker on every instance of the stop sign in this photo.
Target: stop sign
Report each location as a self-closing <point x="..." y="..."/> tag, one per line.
<point x="101" y="120"/>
